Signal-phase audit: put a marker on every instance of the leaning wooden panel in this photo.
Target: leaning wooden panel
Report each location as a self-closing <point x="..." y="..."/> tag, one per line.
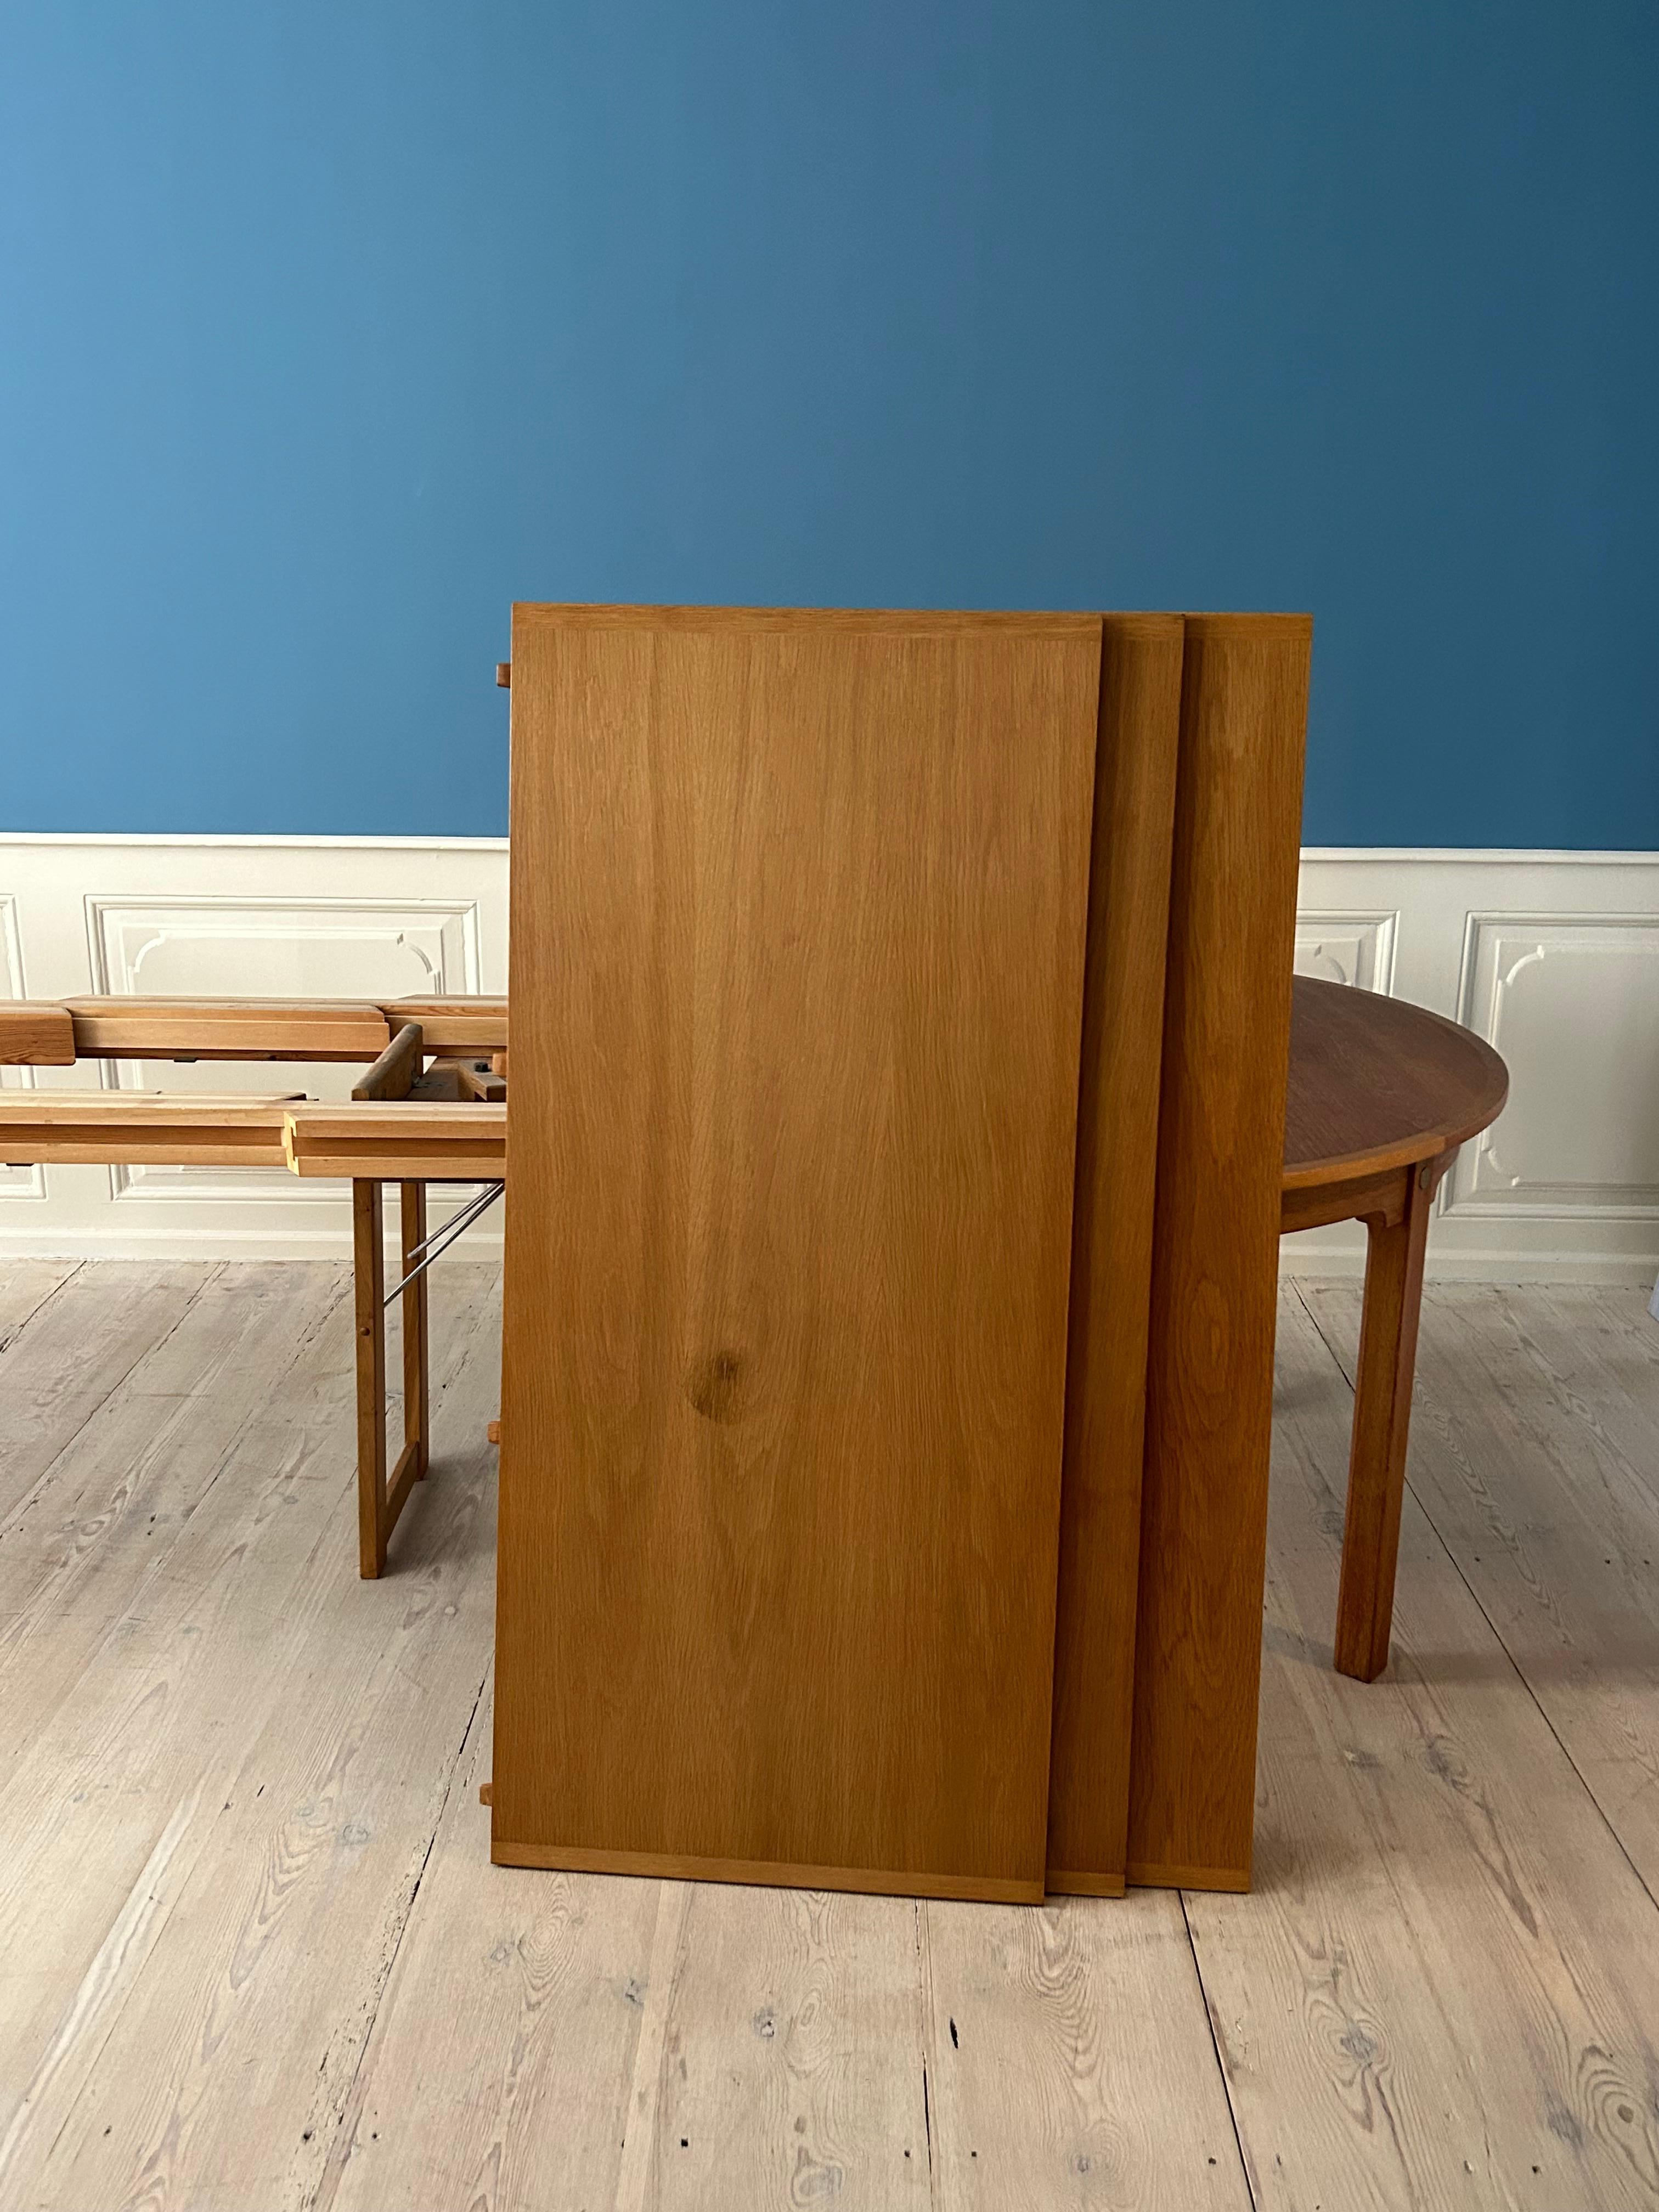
<point x="1112" y="1250"/>
<point x="1209" y="1384"/>
<point x="798" y="905"/>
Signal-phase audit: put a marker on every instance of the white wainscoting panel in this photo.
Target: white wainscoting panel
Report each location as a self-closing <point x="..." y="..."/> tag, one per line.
<point x="1572" y="1003"/>
<point x="1554" y="957"/>
<point x="1347" y="948"/>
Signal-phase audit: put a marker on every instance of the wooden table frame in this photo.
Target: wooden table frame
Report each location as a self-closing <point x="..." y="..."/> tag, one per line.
<point x="410" y="1122"/>
<point x="382" y="1496"/>
<point x="399" y="1079"/>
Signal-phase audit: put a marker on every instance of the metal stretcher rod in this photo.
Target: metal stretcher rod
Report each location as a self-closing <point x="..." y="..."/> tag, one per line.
<point x="440" y="1242"/>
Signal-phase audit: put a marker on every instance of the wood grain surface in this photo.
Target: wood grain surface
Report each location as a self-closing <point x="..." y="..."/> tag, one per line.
<point x="36" y="1032"/>
<point x="803" y="2011"/>
<point x="258" y="1843"/>
<point x="1209" y="1384"/>
<point x="1070" y="2061"/>
<point x="798" y="908"/>
<point x="1379" y="1083"/>
<point x="1112" y="1250"/>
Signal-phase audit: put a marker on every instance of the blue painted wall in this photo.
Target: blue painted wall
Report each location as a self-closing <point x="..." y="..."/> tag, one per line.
<point x="327" y="330"/>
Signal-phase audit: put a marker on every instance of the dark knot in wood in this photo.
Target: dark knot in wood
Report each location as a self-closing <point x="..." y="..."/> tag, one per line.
<point x="715" y="1387"/>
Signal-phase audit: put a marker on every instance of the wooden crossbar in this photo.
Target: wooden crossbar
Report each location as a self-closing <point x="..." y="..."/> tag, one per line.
<point x="53" y="1033"/>
<point x="398" y="1141"/>
<point x="453" y="1025"/>
<point x="227" y="1028"/>
<point x="142" y="1128"/>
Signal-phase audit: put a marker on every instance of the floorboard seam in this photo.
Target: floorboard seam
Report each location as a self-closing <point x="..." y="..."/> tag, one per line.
<point x="24" y="1504"/>
<point x="146" y="1880"/>
<point x="158" y="1563"/>
<point x="35" y="1311"/>
<point x="335" y="2165"/>
<point x="1215" y="2045"/>
<point x="925" y="1992"/>
<point x="303" y="1343"/>
<point x="340" y="2150"/>
<point x="1520" y="1676"/>
<point x="1341" y="1364"/>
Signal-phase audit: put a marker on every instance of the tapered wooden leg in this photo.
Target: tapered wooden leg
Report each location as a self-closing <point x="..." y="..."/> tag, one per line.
<point x="369" y="1269"/>
<point x="1382" y="1419"/>
<point x="417" y="1431"/>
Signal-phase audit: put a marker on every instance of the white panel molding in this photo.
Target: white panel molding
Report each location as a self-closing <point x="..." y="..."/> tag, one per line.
<point x="1572" y="1003"/>
<point x="1554" y="957"/>
<point x="1354" y="948"/>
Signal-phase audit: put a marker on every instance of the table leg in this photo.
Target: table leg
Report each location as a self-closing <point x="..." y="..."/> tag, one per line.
<point x="416" y="1428"/>
<point x="1381" y="1418"/>
<point x="369" y="1269"/>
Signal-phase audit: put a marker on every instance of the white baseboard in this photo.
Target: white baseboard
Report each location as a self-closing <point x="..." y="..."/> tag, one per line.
<point x="1554" y="957"/>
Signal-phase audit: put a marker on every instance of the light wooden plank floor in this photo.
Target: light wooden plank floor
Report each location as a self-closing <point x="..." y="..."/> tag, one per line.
<point x="252" y="1953"/>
